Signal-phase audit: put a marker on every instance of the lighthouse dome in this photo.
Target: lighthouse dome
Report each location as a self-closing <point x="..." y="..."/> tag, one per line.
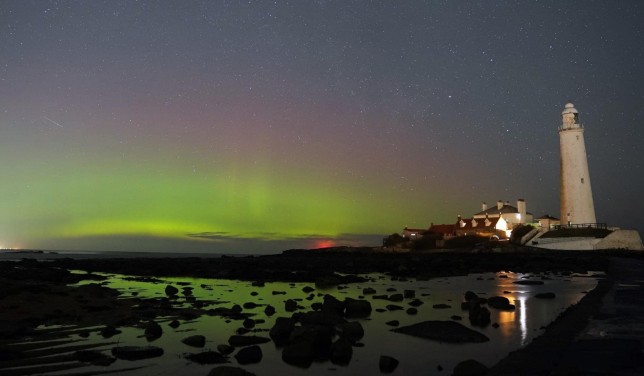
<point x="569" y="109"/>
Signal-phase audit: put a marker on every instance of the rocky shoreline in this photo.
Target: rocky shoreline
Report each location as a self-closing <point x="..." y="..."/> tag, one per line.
<point x="36" y="293"/>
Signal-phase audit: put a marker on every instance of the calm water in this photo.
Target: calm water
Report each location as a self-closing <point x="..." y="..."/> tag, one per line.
<point x="416" y="355"/>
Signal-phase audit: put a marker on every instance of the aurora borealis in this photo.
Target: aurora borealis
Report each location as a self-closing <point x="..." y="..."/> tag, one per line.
<point x="260" y="126"/>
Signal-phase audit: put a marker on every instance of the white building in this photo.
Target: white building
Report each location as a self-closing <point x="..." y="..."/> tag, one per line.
<point x="512" y="215"/>
<point x="577" y="206"/>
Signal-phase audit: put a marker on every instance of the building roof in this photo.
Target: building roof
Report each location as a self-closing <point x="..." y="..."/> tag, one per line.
<point x="505" y="209"/>
<point x="480" y="223"/>
<point x="547" y="216"/>
<point x="442" y="229"/>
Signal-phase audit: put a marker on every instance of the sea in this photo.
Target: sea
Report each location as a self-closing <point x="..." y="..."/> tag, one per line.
<point x="441" y="300"/>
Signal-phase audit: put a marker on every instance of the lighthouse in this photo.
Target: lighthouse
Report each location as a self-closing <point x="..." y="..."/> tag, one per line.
<point x="577" y="206"/>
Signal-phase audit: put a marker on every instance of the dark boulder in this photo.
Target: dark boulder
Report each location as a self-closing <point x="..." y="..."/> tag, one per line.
<point x="195" y="341"/>
<point x="469" y="367"/>
<point x="387" y="364"/>
<point x="441" y="306"/>
<point x="341" y="352"/>
<point x="225" y="349"/>
<point x="332" y="304"/>
<point x="153" y="331"/>
<point x="282" y="329"/>
<point x="269" y="310"/>
<point x="323" y="318"/>
<point x="290" y="305"/>
<point x="500" y="302"/>
<point x="479" y="316"/>
<point x="136" y="352"/>
<point x="207" y="357"/>
<point x="357" y="308"/>
<point x="240" y="341"/>
<point x="353" y="331"/>
<point x="470" y="295"/>
<point x="248" y="355"/>
<point x="545" y="295"/>
<point x="368" y="291"/>
<point x="229" y="371"/>
<point x="298" y="354"/>
<point x="171" y="290"/>
<point x="527" y="282"/>
<point x="443" y="331"/>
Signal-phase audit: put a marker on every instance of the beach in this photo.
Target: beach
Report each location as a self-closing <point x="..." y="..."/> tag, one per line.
<point x="45" y="294"/>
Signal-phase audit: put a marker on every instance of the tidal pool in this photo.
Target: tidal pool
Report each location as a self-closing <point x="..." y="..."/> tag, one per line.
<point x="515" y="329"/>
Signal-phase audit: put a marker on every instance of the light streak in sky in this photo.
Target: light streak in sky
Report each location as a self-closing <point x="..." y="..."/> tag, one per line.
<point x="51" y="121"/>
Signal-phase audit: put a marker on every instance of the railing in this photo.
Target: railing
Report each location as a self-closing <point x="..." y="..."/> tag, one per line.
<point x="603" y="226"/>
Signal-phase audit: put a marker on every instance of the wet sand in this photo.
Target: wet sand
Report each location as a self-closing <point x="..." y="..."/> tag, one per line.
<point x="35" y="293"/>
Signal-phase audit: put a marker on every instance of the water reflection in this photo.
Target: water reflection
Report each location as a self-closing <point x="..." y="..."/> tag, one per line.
<point x="516" y="328"/>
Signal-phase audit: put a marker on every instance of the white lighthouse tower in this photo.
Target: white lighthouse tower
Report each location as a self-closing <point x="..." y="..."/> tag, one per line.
<point x="576" y="195"/>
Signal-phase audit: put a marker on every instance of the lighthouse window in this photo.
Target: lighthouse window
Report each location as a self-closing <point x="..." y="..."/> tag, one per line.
<point x="582" y="180"/>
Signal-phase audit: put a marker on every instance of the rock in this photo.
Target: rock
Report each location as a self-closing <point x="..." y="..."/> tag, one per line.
<point x="416" y="303"/>
<point x="393" y="307"/>
<point x="456" y="318"/>
<point x="441" y="306"/>
<point x="357" y="308"/>
<point x="195" y="341"/>
<point x="94" y="357"/>
<point x="225" y="349"/>
<point x="469" y="367"/>
<point x="307" y="289"/>
<point x="258" y="284"/>
<point x="278" y="292"/>
<point x="249" y="323"/>
<point x="332" y="304"/>
<point x="368" y="291"/>
<point x="109" y="331"/>
<point x="470" y="295"/>
<point x="387" y="364"/>
<point x="298" y="354"/>
<point x="174" y="324"/>
<point x="479" y="316"/>
<point x="500" y="302"/>
<point x="412" y="311"/>
<point x="393" y="323"/>
<point x="248" y="355"/>
<point x="240" y="341"/>
<point x="290" y="305"/>
<point x="323" y="318"/>
<point x="527" y="282"/>
<point x="443" y="331"/>
<point x="396" y="298"/>
<point x="545" y="295"/>
<point x="319" y="339"/>
<point x="153" y="331"/>
<point x="353" y="331"/>
<point x="269" y="310"/>
<point x="136" y="352"/>
<point x="229" y="371"/>
<point x="281" y="330"/>
<point x="250" y="305"/>
<point x="409" y="294"/>
<point x="171" y="290"/>
<point x="341" y="352"/>
<point x="207" y="357"/>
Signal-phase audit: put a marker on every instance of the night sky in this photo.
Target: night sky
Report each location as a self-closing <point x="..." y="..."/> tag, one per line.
<point x="261" y="126"/>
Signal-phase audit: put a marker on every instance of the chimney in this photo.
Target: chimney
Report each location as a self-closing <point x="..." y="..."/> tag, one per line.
<point x="499" y="204"/>
<point x="522" y="210"/>
<point x="483" y="206"/>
